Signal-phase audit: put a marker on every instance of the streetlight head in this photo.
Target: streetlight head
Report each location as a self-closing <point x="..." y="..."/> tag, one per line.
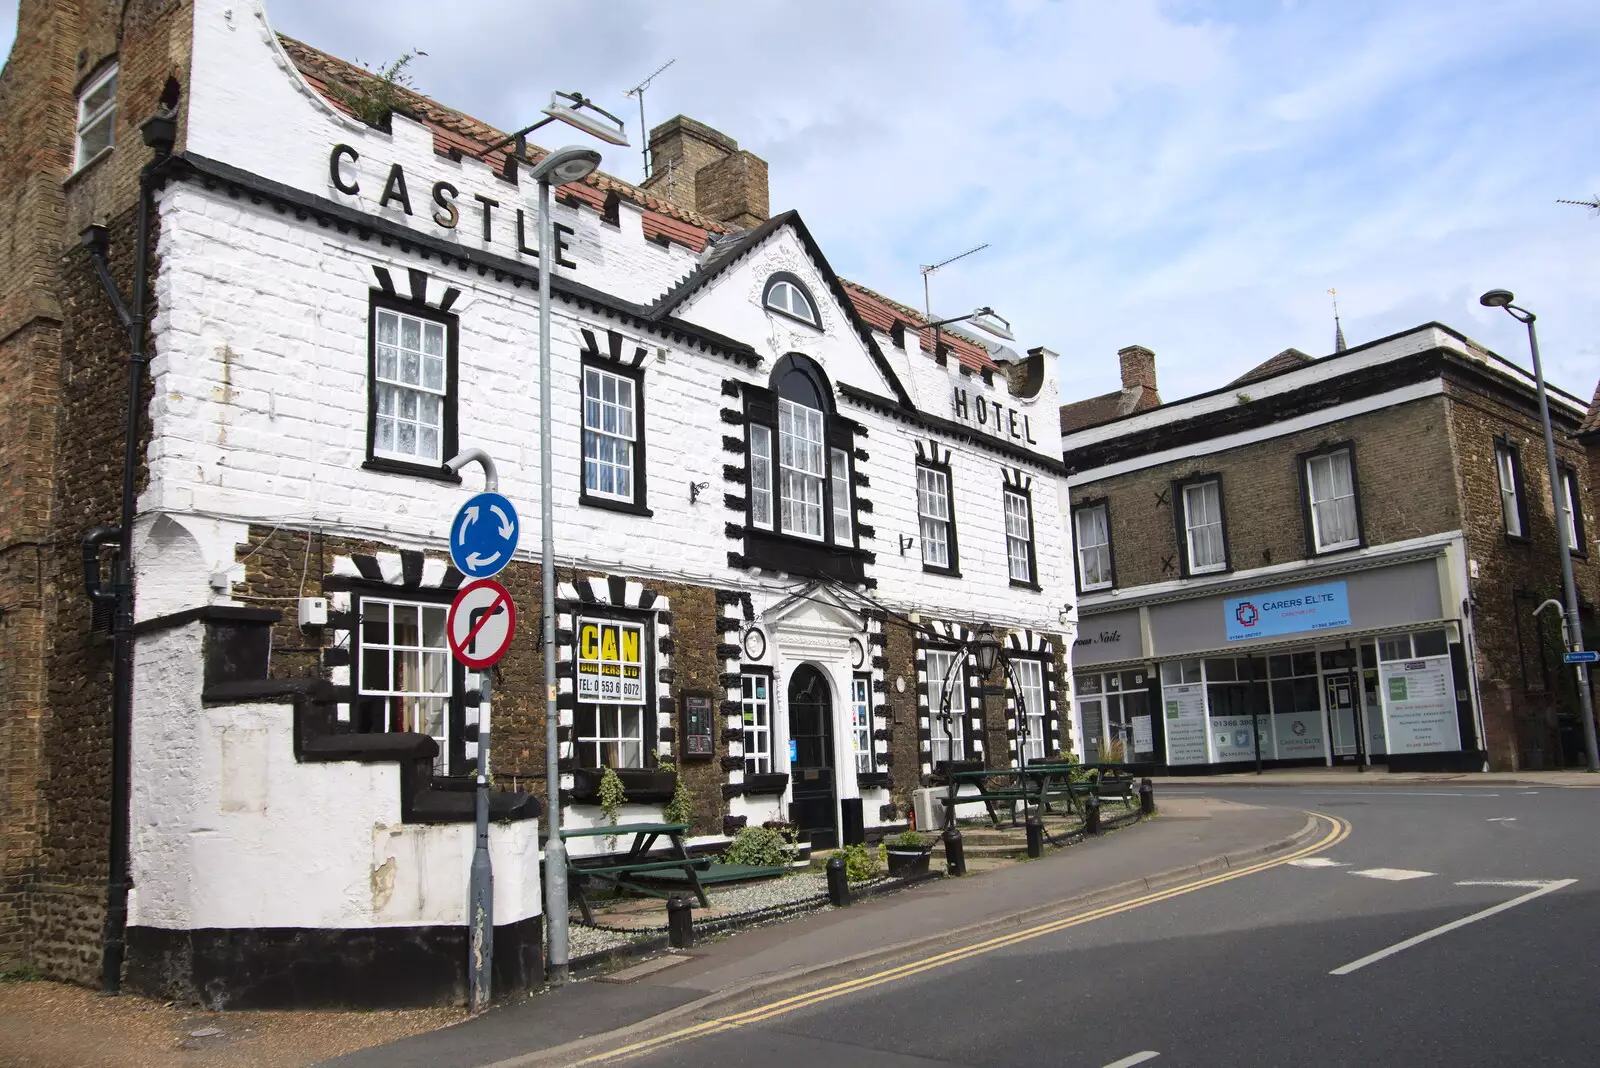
<point x="986" y="649"/>
<point x="986" y="320"/>
<point x="1497" y="298"/>
<point x="566" y="165"/>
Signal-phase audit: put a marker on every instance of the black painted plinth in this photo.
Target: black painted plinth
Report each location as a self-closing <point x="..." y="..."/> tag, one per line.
<point x="325" y="968"/>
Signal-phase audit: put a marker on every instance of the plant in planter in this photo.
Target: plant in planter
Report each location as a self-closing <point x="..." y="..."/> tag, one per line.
<point x="758" y="847"/>
<point x="907" y="854"/>
<point x="612" y="795"/>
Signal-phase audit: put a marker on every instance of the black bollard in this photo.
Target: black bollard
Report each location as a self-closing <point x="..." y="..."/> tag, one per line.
<point x="1147" y="798"/>
<point x="838" y="882"/>
<point x="1091" y="814"/>
<point x="680" y="922"/>
<point x="955" y="855"/>
<point x="1035" y="837"/>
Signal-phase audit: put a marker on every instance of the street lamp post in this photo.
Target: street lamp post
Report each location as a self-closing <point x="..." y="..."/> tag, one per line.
<point x="559" y="167"/>
<point x="1502" y="298"/>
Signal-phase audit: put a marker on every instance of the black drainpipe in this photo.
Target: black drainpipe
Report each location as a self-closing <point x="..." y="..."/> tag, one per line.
<point x="160" y="132"/>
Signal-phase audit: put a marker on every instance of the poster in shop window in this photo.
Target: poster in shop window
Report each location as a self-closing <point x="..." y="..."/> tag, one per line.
<point x="1419" y="706"/>
<point x="1185" y="709"/>
<point x="610" y="662"/>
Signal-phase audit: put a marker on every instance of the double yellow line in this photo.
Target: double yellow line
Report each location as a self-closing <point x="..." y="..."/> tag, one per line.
<point x="1338" y="830"/>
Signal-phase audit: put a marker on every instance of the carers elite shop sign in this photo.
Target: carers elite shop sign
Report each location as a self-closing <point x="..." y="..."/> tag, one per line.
<point x="1305" y="608"/>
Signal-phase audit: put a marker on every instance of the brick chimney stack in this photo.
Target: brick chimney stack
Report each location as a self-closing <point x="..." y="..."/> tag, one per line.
<point x="1138" y="368"/>
<point x="705" y="171"/>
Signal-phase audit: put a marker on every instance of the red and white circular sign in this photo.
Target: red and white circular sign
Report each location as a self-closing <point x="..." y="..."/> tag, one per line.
<point x="481" y="623"/>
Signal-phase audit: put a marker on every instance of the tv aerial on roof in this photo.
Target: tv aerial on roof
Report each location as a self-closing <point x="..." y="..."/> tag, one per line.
<point x="929" y="268"/>
<point x="644" y="133"/>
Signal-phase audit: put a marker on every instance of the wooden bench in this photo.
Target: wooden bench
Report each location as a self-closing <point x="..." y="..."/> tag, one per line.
<point x="617" y="870"/>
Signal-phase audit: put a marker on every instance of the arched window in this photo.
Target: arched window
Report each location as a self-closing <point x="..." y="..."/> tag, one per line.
<point x="799" y="465"/>
<point x="787" y="295"/>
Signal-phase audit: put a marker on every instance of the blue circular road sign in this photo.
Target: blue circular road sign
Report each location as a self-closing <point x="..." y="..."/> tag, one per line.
<point x="483" y="535"/>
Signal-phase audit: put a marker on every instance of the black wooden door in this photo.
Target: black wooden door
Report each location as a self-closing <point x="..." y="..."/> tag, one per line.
<point x="811" y="757"/>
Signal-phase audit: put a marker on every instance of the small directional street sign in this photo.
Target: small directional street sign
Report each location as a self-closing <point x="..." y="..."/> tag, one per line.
<point x="481" y="623"/>
<point x="483" y="535"/>
<point x="1583" y="656"/>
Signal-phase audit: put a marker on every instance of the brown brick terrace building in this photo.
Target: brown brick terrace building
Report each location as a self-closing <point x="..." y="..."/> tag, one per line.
<point x="1335" y="558"/>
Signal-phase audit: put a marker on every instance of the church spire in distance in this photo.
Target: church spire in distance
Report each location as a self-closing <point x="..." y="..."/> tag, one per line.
<point x="1338" y="330"/>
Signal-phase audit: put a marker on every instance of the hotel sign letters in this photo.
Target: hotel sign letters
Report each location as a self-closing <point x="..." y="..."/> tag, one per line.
<point x="974" y="409"/>
<point x="447" y="206"/>
<point x="610" y="662"/>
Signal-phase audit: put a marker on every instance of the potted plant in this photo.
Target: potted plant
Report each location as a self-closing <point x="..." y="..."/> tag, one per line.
<point x="908" y="854"/>
<point x="643" y="785"/>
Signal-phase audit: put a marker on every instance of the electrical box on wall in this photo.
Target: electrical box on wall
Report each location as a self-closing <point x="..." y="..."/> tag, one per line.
<point x="313" y="612"/>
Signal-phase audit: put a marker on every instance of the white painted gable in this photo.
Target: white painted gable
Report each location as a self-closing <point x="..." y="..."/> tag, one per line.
<point x="731" y="304"/>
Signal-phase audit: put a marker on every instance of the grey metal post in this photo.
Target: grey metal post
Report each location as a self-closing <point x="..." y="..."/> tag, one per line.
<point x="480" y="878"/>
<point x="555" y="852"/>
<point x="1574" y="632"/>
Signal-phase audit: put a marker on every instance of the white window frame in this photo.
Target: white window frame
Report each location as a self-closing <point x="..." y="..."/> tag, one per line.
<point x="602" y="737"/>
<point x="1028" y="676"/>
<point x="1211" y="523"/>
<point x="839" y="485"/>
<point x="933" y="515"/>
<point x="1335" y="501"/>
<point x="1019" y="536"/>
<point x="761" y="512"/>
<point x="1505" y="465"/>
<point x="757" y="722"/>
<point x="622" y="435"/>
<point x="1100" y="549"/>
<point x="88" y="120"/>
<point x="957" y="741"/>
<point x="802" y="469"/>
<point x="861" y="722"/>
<point x="1569" y="507"/>
<point x="790" y="299"/>
<point x="395" y="381"/>
<point x="415" y="701"/>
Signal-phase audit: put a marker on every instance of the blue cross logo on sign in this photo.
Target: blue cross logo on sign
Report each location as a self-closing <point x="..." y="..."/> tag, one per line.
<point x="483" y="535"/>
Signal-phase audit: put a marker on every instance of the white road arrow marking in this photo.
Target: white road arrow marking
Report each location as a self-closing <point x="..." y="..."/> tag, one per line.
<point x="1501" y="819"/>
<point x="1540" y="890"/>
<point x="1318" y="862"/>
<point x="1134" y="1058"/>
<point x="471" y="515"/>
<point x="1393" y="875"/>
<point x="506" y="526"/>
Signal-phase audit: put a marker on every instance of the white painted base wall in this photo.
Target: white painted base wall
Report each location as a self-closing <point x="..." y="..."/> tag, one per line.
<point x="230" y="831"/>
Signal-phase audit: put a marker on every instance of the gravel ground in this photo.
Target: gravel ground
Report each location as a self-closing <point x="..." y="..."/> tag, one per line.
<point x="52" y="1025"/>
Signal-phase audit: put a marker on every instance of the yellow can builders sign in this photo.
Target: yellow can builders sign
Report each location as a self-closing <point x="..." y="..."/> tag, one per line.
<point x="610" y="662"/>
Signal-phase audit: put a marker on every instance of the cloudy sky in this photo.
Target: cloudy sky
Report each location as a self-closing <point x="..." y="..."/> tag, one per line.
<point x="1188" y="175"/>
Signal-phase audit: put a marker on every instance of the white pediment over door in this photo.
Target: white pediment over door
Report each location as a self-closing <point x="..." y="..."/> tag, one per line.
<point x="816" y="612"/>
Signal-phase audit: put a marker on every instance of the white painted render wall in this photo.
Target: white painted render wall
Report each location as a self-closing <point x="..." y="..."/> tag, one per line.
<point x="230" y="831"/>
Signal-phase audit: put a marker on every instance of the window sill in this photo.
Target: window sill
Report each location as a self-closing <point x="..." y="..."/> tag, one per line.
<point x="1019" y="584"/>
<point x="625" y="507"/>
<point x="87" y="165"/>
<point x="1335" y="550"/>
<point x="935" y="569"/>
<point x="400" y="467"/>
<point x="1104" y="587"/>
<point x="793" y="318"/>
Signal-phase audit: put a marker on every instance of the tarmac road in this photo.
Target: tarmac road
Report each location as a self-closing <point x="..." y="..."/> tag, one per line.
<point x="1440" y="930"/>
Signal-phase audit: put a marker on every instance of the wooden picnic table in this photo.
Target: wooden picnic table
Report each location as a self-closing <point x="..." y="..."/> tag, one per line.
<point x="618" y="869"/>
<point x="1036" y="784"/>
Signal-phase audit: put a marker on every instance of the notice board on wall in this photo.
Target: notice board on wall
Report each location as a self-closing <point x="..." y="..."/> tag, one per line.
<point x="699" y="740"/>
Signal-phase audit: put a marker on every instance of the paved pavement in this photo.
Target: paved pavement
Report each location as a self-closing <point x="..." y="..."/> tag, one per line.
<point x="1443" y="924"/>
<point x="1191" y="837"/>
<point x="1377" y="776"/>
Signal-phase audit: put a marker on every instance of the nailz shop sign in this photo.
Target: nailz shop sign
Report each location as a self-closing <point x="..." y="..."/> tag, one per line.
<point x="474" y="212"/>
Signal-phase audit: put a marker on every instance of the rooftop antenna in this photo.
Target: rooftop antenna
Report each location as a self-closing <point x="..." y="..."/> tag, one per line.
<point x="929" y="268"/>
<point x="1338" y="330"/>
<point x="644" y="133"/>
<point x="1593" y="203"/>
